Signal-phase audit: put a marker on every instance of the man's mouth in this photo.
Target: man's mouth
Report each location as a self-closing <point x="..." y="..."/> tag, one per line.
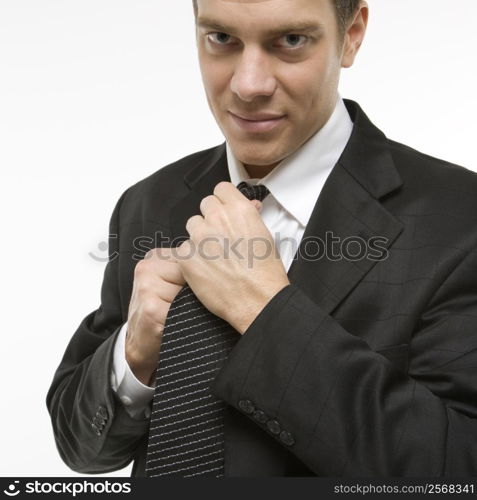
<point x="257" y="122"/>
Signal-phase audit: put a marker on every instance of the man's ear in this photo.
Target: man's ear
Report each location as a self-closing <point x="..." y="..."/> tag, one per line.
<point x="354" y="35"/>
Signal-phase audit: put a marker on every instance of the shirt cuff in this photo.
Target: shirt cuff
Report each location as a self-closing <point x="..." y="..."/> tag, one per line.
<point x="134" y="395"/>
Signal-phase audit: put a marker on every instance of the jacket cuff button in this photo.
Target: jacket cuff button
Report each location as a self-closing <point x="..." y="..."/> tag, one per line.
<point x="102" y="412"/>
<point x="96" y="429"/>
<point x="246" y="406"/>
<point x="260" y="416"/>
<point x="287" y="438"/>
<point x="274" y="427"/>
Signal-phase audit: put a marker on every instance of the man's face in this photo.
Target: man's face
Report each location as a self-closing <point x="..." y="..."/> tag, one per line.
<point x="270" y="70"/>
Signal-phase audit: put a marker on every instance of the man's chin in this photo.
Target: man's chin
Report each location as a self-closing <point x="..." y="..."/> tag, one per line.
<point x="258" y="158"/>
<point x="258" y="164"/>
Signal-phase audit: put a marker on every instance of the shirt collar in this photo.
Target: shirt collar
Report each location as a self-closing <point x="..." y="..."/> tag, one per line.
<point x="296" y="182"/>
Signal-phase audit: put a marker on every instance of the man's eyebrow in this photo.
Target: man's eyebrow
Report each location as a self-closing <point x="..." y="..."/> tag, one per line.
<point x="295" y="27"/>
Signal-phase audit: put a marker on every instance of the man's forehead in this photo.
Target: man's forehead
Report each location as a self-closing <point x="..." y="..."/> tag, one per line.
<point x="246" y="1"/>
<point x="294" y="5"/>
<point x="277" y="17"/>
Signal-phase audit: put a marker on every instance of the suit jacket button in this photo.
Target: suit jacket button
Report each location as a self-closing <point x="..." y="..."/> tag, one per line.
<point x="260" y="416"/>
<point x="274" y="426"/>
<point x="287" y="438"/>
<point x="246" y="406"/>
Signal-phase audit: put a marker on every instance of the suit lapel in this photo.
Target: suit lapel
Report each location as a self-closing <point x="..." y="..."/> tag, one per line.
<point x="348" y="207"/>
<point x="201" y="180"/>
<point x="347" y="213"/>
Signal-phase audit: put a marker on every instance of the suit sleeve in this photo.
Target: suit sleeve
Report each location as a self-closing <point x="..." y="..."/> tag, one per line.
<point x="345" y="410"/>
<point x="93" y="432"/>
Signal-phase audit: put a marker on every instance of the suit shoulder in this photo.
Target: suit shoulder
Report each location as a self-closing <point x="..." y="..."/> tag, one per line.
<point x="172" y="174"/>
<point x="435" y="187"/>
<point x="161" y="189"/>
<point x="415" y="165"/>
<point x="166" y="183"/>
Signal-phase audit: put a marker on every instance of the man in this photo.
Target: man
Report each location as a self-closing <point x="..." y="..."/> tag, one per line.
<point x="358" y="354"/>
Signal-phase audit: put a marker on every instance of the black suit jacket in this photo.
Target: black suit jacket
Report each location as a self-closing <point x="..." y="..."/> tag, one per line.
<point x="362" y="367"/>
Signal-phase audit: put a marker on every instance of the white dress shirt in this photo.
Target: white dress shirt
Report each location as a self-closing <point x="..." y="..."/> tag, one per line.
<point x="294" y="186"/>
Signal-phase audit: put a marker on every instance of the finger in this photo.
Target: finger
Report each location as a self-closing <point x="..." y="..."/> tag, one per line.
<point x="208" y="204"/>
<point x="171" y="272"/>
<point x="257" y="204"/>
<point x="148" y="274"/>
<point x="168" y="291"/>
<point x="226" y="192"/>
<point x="194" y="223"/>
<point x="164" y="254"/>
<point x="156" y="286"/>
<point x="183" y="251"/>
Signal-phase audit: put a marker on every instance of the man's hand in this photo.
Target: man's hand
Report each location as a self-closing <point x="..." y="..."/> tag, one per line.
<point x="230" y="260"/>
<point x="157" y="280"/>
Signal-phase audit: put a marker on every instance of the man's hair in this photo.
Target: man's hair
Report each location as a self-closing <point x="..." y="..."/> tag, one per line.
<point x="345" y="10"/>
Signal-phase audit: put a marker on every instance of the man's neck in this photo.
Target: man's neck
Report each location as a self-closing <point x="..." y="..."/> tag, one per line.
<point x="259" y="171"/>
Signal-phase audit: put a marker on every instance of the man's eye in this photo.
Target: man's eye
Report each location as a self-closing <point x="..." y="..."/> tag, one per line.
<point x="219" y="38"/>
<point x="293" y="41"/>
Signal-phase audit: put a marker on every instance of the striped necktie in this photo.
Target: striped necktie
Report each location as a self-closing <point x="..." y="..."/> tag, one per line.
<point x="186" y="430"/>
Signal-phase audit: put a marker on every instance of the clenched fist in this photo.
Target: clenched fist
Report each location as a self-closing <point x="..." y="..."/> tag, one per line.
<point x="230" y="260"/>
<point x="157" y="280"/>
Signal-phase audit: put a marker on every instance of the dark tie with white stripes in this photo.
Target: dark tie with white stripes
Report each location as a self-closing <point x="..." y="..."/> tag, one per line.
<point x="186" y="430"/>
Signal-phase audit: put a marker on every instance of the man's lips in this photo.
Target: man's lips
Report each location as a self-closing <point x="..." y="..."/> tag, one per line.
<point x="258" y="122"/>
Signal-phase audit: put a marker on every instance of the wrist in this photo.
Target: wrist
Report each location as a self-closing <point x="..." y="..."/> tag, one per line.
<point x="143" y="369"/>
<point x="245" y="314"/>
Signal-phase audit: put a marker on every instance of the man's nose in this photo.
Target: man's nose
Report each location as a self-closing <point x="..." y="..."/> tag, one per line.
<point x="252" y="76"/>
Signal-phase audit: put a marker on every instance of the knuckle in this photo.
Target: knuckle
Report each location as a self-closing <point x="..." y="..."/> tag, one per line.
<point x="221" y="185"/>
<point x="149" y="254"/>
<point x="150" y="308"/>
<point x="162" y="252"/>
<point x="159" y="330"/>
<point x="191" y="221"/>
<point x="159" y="252"/>
<point x="140" y="267"/>
<point x="207" y="199"/>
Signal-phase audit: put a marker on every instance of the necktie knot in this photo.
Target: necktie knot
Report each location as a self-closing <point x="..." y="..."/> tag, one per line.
<point x="258" y="192"/>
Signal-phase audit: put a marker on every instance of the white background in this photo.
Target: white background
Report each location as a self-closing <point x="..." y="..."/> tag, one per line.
<point x="97" y="94"/>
